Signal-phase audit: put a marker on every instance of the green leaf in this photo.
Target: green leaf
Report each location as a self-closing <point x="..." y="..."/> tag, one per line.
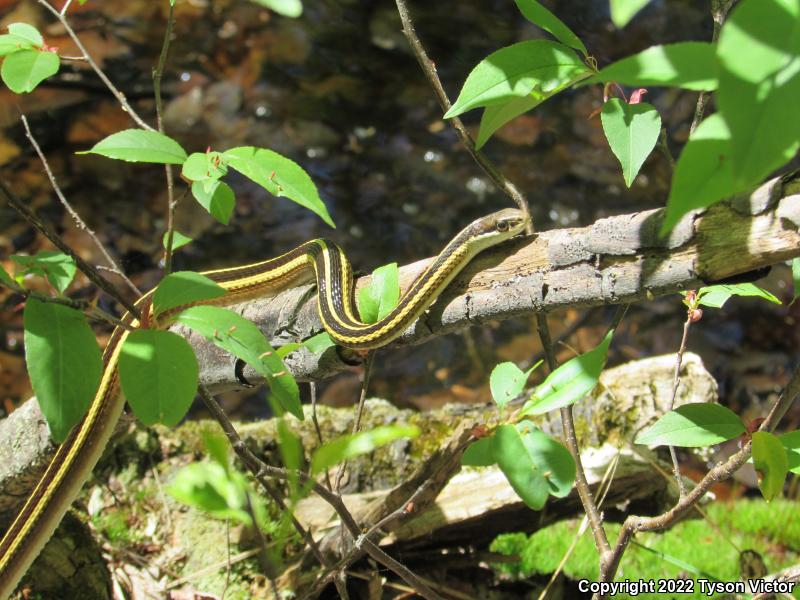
<point x="791" y="443"/>
<point x="244" y="340"/>
<point x="287" y="8"/>
<point x="139" y="145"/>
<point x="537" y="68"/>
<point x="479" y="454"/>
<point x="377" y="300"/>
<point x="796" y="278"/>
<point x="497" y="115"/>
<point x="760" y="38"/>
<point x="622" y="11"/>
<point x="23" y="70"/>
<point x="348" y="446"/>
<point x="688" y="65"/>
<point x="291" y="450"/>
<point x="178" y="240"/>
<point x="217" y="198"/>
<point x="693" y="425"/>
<point x="759" y="85"/>
<point x="551" y="458"/>
<point x="26" y="32"/>
<point x="279" y="176"/>
<point x="703" y="174"/>
<point x="570" y="382"/>
<point x="64" y="363"/>
<point x="58" y="268"/>
<point x="203" y="166"/>
<point x="6" y="279"/>
<point x="11" y="43"/>
<point x="539" y="15"/>
<point x="182" y="288"/>
<point x="287" y="349"/>
<point x="213" y="489"/>
<point x="716" y="296"/>
<point x="217" y="446"/>
<point x="317" y="344"/>
<point x="771" y="464"/>
<point x="512" y="456"/>
<point x="158" y="373"/>
<point x="507" y="382"/>
<point x="632" y="132"/>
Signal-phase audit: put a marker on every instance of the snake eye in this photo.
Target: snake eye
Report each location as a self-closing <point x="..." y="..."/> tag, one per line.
<point x="502" y="225"/>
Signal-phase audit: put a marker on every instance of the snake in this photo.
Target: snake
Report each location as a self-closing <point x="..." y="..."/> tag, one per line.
<point x="318" y="261"/>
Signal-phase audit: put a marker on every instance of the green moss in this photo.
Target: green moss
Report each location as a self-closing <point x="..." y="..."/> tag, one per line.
<point x="695" y="549"/>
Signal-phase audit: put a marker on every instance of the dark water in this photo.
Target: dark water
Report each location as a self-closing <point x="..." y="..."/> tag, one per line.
<point x="339" y="92"/>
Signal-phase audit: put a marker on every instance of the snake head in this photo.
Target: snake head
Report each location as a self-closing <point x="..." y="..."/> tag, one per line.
<point x="510" y="221"/>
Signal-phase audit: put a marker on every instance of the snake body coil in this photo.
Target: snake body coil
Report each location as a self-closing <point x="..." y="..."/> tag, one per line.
<point x="318" y="259"/>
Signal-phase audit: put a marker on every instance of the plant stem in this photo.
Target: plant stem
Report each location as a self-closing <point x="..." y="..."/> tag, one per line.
<point x="80" y="223"/>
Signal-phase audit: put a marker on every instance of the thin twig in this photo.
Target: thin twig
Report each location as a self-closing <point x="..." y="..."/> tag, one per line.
<point x="84" y="267"/>
<point x="92" y="311"/>
<point x="719" y="11"/>
<point x="429" y="68"/>
<point x="261" y="471"/>
<point x="568" y="425"/>
<point x="269" y="569"/>
<point x="368" y="362"/>
<point x="721" y="472"/>
<point x="312" y="388"/>
<point x="676" y="380"/>
<point x="158" y="73"/>
<point x="227" y="558"/>
<point x="65" y="7"/>
<point x="118" y="95"/>
<point x="80" y="223"/>
<point x="664" y="146"/>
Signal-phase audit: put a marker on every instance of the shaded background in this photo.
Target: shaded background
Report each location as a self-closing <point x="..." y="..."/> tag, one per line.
<point x="339" y="92"/>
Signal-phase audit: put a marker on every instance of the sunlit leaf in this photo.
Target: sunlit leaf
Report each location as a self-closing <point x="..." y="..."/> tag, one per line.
<point x="348" y="446"/>
<point x="759" y="85"/>
<point x="791" y="443"/>
<point x="622" y="11"/>
<point x="377" y="299"/>
<point x="716" y="296"/>
<point x="515" y="461"/>
<point x="279" y="176"/>
<point x="479" y="454"/>
<point x="771" y="464"/>
<point x="58" y="268"/>
<point x="632" y="131"/>
<point x="159" y="374"/>
<point x="64" y="363"/>
<point x="570" y="382"/>
<point x="539" y="15"/>
<point x="287" y="8"/>
<point x="182" y="288"/>
<point x="536" y="68"/>
<point x="139" y="145"/>
<point x="244" y="340"/>
<point x="216" y="197"/>
<point x="26" y="32"/>
<point x="704" y="172"/>
<point x="178" y="240"/>
<point x="319" y="343"/>
<point x="689" y="65"/>
<point x="693" y="425"/>
<point x="507" y="382"/>
<point x="23" y="70"/>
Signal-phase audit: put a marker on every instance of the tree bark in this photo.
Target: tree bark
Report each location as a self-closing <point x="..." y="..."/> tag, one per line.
<point x="616" y="260"/>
